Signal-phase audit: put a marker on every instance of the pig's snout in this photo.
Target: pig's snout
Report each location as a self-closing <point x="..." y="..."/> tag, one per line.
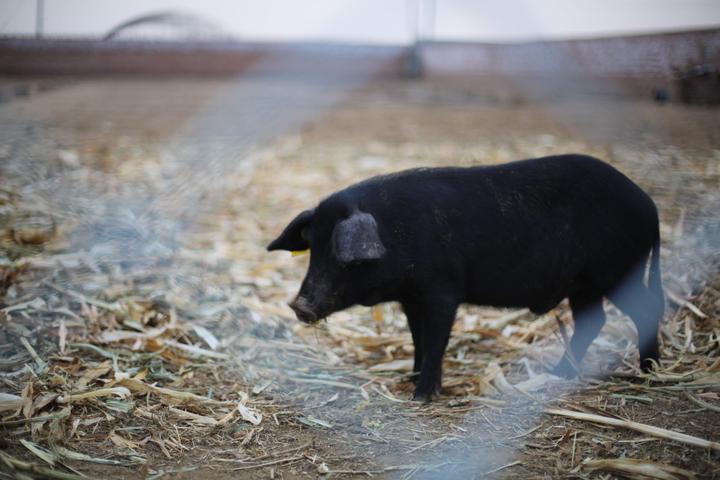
<point x="302" y="308"/>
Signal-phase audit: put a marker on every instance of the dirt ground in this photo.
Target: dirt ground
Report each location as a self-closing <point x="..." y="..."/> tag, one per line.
<point x="134" y="214"/>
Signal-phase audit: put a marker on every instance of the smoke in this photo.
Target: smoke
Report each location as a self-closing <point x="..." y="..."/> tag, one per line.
<point x="274" y="97"/>
<point x="125" y="220"/>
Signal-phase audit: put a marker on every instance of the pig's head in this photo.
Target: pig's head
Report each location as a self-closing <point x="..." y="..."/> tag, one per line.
<point x="346" y="260"/>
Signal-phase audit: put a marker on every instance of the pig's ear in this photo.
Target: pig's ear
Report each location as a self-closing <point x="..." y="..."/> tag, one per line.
<point x="356" y="238"/>
<point x="295" y="235"/>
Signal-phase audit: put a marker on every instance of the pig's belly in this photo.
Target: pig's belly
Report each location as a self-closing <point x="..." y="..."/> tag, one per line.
<point x="538" y="295"/>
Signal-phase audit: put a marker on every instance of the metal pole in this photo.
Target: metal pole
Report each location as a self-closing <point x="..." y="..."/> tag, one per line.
<point x="412" y="12"/>
<point x="39" y="18"/>
<point x="414" y="62"/>
<point x="431" y="12"/>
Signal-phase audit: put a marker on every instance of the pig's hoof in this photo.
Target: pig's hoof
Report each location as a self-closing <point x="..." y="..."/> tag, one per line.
<point x="564" y="370"/>
<point x="426" y="394"/>
<point x="646" y="365"/>
<point x="424" y="397"/>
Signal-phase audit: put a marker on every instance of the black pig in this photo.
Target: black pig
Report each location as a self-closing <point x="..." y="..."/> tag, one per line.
<point x="523" y="234"/>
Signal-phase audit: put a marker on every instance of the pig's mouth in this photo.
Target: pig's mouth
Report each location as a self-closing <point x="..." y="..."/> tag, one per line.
<point x="304" y="311"/>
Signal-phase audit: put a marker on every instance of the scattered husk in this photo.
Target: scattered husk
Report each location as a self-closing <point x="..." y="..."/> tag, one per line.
<point x="194" y="417"/>
<point x="10" y="402"/>
<point x="640" y="469"/>
<point x="174" y="396"/>
<point x="43" y="454"/>
<point x="15" y="464"/>
<point x="402" y="365"/>
<point x="121" y="392"/>
<point x="197" y="351"/>
<point x="249" y="415"/>
<point x="72" y="455"/>
<point x="207" y="336"/>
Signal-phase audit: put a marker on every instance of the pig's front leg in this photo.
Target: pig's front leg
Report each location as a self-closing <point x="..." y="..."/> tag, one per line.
<point x="430" y="323"/>
<point x="413" y="312"/>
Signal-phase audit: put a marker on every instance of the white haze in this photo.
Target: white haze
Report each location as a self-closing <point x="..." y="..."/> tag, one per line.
<point x="377" y="21"/>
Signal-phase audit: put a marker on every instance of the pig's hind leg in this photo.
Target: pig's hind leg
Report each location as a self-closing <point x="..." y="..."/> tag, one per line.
<point x="589" y="318"/>
<point x="645" y="309"/>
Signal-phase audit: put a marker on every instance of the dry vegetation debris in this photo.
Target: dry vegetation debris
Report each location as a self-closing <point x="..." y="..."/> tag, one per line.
<point x="129" y="353"/>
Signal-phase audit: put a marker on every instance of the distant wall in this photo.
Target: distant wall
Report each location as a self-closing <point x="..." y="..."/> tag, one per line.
<point x="96" y="57"/>
<point x="632" y="65"/>
<point x="630" y="56"/>
<point x="644" y="65"/>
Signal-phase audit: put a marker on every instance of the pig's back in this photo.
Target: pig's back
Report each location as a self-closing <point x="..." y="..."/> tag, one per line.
<point x="563" y="187"/>
<point x="515" y="234"/>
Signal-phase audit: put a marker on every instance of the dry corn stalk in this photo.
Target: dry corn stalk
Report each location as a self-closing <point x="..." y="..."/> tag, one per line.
<point x="639" y="427"/>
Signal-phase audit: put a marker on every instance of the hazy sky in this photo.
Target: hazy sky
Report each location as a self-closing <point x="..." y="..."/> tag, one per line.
<point x="377" y="20"/>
